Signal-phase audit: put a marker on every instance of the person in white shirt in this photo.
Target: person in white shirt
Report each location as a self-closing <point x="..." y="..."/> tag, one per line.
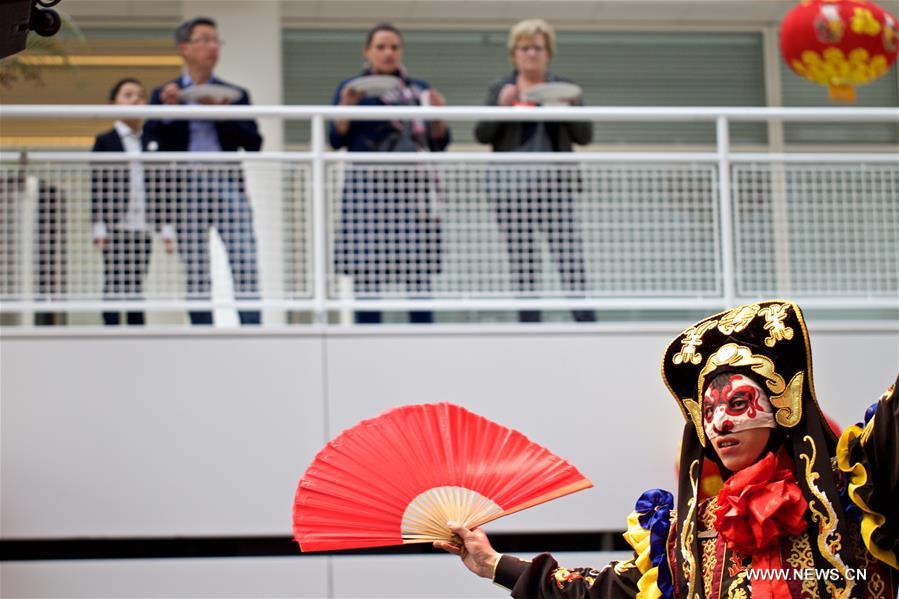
<point x="122" y="209"/>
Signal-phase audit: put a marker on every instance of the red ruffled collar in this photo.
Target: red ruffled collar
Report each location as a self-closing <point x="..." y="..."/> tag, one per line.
<point x="761" y="504"/>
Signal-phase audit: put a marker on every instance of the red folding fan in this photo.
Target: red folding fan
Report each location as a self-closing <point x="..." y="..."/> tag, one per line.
<point x="400" y="477"/>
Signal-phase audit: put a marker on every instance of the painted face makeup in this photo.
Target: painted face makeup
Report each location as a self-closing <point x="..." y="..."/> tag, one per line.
<point x="734" y="403"/>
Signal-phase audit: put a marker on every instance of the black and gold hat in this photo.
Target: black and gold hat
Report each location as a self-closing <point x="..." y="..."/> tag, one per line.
<point x="766" y="339"/>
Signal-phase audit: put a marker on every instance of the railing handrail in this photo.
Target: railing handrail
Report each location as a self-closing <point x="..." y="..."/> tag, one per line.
<point x="719" y="157"/>
<point x="453" y="113"/>
<point x="451" y="157"/>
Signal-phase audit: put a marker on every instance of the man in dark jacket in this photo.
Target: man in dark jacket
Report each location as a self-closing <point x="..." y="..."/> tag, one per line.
<point x="212" y="194"/>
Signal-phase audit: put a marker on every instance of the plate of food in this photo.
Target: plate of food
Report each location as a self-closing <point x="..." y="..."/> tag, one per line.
<point x="213" y="91"/>
<point x="375" y="85"/>
<point x="556" y="93"/>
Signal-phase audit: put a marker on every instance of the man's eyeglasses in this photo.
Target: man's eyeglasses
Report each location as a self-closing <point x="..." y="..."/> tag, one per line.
<point x="537" y="49"/>
<point x="207" y="41"/>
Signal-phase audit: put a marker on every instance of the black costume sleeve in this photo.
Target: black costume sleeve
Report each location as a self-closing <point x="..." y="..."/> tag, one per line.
<point x="870" y="456"/>
<point x="543" y="578"/>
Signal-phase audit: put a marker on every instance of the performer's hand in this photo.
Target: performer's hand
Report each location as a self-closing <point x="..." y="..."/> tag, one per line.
<point x="476" y="552"/>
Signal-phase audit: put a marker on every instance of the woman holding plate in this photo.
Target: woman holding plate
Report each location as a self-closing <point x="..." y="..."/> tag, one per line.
<point x="535" y="199"/>
<point x="388" y="232"/>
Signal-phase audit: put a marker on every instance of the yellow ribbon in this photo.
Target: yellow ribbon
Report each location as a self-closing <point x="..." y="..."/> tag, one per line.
<point x="638" y="538"/>
<point x="858" y="477"/>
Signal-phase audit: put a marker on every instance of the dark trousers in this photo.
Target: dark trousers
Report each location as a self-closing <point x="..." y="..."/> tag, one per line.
<point x="126" y="260"/>
<point x="530" y="203"/>
<point x="375" y="316"/>
<point x="217" y="200"/>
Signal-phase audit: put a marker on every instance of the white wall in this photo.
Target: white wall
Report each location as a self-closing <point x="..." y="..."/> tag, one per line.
<point x="207" y="432"/>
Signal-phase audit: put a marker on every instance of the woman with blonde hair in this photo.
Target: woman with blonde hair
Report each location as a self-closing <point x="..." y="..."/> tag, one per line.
<point x="538" y="198"/>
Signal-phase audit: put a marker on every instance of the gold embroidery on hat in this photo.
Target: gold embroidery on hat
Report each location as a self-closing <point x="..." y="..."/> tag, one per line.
<point x="829" y="540"/>
<point x="732" y="354"/>
<point x="695" y="411"/>
<point x="775" y="314"/>
<point x="738" y="319"/>
<point x="789" y="403"/>
<point x="691" y="340"/>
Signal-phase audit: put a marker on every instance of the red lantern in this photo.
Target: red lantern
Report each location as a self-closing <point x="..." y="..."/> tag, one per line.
<point x="839" y="43"/>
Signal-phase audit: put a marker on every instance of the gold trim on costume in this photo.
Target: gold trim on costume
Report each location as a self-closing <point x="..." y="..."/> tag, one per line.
<point x="709" y="561"/>
<point x="829" y="541"/>
<point x="735" y="590"/>
<point x="688" y="567"/>
<point x="877" y="586"/>
<point x="801" y="557"/>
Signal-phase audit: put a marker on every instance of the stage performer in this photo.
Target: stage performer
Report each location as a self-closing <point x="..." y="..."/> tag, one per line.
<point x="802" y="513"/>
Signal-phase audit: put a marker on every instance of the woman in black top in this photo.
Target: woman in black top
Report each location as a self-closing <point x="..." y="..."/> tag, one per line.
<point x="536" y="199"/>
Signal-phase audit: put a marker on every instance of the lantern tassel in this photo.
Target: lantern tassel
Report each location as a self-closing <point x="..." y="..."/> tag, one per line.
<point x="841" y="93"/>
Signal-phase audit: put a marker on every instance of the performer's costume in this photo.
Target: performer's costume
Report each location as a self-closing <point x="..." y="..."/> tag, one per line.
<point x="816" y="516"/>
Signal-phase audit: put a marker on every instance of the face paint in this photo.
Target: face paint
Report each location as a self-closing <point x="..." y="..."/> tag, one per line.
<point x="734" y="403"/>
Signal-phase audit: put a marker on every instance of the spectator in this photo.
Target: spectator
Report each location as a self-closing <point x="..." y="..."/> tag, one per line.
<point x="388" y="229"/>
<point x="122" y="210"/>
<point x="210" y="195"/>
<point x="529" y="200"/>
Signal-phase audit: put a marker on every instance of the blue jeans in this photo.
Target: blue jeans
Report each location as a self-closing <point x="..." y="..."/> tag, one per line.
<point x="216" y="198"/>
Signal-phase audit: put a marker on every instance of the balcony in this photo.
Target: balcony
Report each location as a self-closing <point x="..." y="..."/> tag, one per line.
<point x="461" y="233"/>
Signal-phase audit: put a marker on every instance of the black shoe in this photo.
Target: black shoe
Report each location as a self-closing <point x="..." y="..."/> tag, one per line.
<point x="529" y="316"/>
<point x="584" y="315"/>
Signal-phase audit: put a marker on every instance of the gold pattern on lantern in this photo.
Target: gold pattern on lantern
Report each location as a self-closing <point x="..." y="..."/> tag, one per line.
<point x="835" y="68"/>
<point x="864" y="23"/>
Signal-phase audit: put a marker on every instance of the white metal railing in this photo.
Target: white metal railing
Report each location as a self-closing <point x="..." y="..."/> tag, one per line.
<point x="820" y="226"/>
